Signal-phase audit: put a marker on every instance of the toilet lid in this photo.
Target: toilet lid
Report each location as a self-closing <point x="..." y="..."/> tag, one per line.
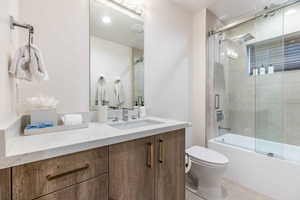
<point x="206" y="155"/>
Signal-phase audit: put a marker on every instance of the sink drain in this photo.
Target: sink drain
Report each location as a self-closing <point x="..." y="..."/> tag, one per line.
<point x="270" y="154"/>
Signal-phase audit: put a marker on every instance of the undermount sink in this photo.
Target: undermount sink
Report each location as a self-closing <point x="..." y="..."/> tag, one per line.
<point x="135" y="124"/>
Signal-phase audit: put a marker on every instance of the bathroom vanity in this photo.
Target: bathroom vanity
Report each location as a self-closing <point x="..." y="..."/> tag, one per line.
<point x="132" y="164"/>
<point x="143" y="160"/>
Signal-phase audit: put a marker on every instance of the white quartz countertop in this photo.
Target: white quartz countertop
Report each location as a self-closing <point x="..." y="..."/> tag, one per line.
<point x="21" y="149"/>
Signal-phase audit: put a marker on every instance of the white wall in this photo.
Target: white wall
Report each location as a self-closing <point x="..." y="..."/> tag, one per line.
<point x="168" y="38"/>
<point x="62" y="33"/>
<point x="203" y="22"/>
<point x="199" y="72"/>
<point x="112" y="60"/>
<point x="8" y="41"/>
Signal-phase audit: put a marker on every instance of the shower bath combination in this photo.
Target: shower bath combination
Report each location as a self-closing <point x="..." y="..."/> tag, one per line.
<point x="260" y="61"/>
<point x="256" y="106"/>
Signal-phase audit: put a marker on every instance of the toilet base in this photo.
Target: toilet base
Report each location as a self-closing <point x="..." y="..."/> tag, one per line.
<point x="201" y="193"/>
<point x="189" y="195"/>
<point x="192" y="194"/>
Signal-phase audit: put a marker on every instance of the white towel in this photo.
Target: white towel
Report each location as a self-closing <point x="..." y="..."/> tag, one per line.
<point x="38" y="66"/>
<point x="28" y="67"/>
<point x="19" y="67"/>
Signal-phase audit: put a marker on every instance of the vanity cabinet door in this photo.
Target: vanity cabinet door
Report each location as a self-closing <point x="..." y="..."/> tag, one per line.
<point x="94" y="189"/>
<point x="5" y="184"/>
<point x="132" y="170"/>
<point x="170" y="174"/>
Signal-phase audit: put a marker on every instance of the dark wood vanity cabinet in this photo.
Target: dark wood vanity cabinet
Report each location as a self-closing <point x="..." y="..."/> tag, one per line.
<point x="5" y="184"/>
<point x="149" y="169"/>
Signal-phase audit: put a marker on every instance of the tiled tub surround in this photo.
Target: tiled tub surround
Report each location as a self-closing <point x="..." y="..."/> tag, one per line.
<point x="17" y="149"/>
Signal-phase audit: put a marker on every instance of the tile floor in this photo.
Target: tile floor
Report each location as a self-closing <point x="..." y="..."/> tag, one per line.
<point x="236" y="192"/>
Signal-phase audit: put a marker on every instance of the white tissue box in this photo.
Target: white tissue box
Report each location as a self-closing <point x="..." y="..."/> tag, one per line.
<point x="44" y="115"/>
<point x="72" y="119"/>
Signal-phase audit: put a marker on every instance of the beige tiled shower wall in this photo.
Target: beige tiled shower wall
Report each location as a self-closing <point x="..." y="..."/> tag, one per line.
<point x="240" y="94"/>
<point x="266" y="107"/>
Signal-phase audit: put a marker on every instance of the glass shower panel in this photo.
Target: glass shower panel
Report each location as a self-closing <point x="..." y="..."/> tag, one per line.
<point x="266" y="65"/>
<point x="291" y="82"/>
<point x="236" y="86"/>
<point x="256" y="87"/>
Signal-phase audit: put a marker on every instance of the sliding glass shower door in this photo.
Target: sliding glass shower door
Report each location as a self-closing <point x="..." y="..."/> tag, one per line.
<point x="255" y="87"/>
<point x="266" y="65"/>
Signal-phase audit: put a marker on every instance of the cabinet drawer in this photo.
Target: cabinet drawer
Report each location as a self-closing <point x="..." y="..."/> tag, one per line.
<point x="34" y="180"/>
<point x="94" y="189"/>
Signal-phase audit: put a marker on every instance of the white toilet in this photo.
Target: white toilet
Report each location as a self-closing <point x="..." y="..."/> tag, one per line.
<point x="205" y="176"/>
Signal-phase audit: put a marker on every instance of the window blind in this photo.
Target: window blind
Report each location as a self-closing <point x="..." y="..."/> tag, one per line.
<point x="283" y="54"/>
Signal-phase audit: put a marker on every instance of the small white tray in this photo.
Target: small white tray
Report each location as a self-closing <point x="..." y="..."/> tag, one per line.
<point x="54" y="129"/>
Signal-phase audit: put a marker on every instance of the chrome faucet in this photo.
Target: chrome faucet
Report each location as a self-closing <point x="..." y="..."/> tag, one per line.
<point x="222" y="128"/>
<point x="125" y="114"/>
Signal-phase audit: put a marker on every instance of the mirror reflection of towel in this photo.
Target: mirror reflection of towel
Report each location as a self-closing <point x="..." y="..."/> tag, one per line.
<point x="118" y="94"/>
<point x="101" y="96"/>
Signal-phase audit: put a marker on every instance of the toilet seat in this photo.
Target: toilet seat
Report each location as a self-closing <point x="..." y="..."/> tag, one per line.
<point x="206" y="157"/>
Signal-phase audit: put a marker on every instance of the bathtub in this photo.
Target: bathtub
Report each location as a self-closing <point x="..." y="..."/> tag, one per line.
<point x="267" y="167"/>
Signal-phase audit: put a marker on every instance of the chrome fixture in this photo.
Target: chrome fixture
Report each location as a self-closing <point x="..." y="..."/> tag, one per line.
<point x="115" y="119"/>
<point x="222" y="128"/>
<point x="130" y="114"/>
<point x="30" y="28"/>
<point x="14" y="23"/>
<point x="243" y="38"/>
<point x="125" y="113"/>
<point x="267" y="11"/>
<point x="271" y="154"/>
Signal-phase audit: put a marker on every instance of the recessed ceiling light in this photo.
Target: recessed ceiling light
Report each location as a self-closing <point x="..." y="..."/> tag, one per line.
<point x="290" y="12"/>
<point x="106" y="20"/>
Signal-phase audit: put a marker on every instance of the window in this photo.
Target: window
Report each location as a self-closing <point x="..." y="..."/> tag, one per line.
<point x="282" y="54"/>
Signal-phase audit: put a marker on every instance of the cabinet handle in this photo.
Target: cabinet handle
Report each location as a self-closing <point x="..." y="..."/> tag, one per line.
<point x="150" y="153"/>
<point x="217" y="101"/>
<point x="161" y="151"/>
<point x="52" y="177"/>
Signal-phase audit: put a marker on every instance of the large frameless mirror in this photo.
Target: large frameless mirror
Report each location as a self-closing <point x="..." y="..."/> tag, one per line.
<point x="116" y="54"/>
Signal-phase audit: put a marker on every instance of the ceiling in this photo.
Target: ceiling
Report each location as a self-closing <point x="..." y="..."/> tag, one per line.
<point x="125" y="28"/>
<point x="228" y="10"/>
